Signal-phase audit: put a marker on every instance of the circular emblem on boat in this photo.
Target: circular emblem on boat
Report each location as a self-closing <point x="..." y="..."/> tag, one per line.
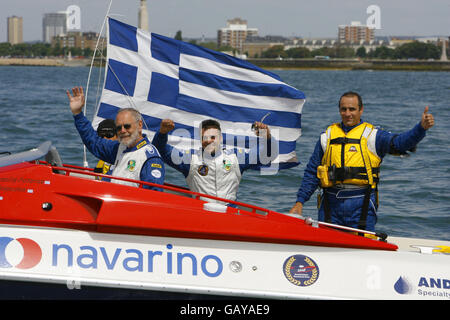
<point x="203" y="170"/>
<point x="32" y="253"/>
<point x="301" y="270"/>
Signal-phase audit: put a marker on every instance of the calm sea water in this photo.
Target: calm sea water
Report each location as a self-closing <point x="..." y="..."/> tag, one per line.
<point x="414" y="190"/>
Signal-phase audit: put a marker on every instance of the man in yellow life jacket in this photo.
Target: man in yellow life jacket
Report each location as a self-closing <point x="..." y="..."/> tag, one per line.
<point x="346" y="165"/>
<point x="107" y="130"/>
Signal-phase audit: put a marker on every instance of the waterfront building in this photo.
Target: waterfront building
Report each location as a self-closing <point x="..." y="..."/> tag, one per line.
<point x="54" y="24"/>
<point x="235" y="33"/>
<point x="254" y="46"/>
<point x="313" y="43"/>
<point x="81" y="40"/>
<point x="15" y="30"/>
<point x="399" y="41"/>
<point x="355" y="33"/>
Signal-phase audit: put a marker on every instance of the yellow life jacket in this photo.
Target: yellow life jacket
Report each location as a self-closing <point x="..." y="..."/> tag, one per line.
<point x="347" y="158"/>
<point x="102" y="167"/>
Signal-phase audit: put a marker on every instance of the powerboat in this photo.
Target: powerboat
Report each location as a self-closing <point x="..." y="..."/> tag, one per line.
<point x="67" y="233"/>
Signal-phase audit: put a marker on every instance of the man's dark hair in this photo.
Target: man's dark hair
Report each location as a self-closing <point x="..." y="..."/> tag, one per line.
<point x="351" y="94"/>
<point x="209" y="123"/>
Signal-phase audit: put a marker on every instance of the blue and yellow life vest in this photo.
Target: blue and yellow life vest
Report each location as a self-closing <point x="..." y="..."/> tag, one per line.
<point x="347" y="158"/>
<point x="102" y="167"/>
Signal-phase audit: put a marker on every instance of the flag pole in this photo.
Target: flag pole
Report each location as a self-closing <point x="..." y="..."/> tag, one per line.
<point x="85" y="162"/>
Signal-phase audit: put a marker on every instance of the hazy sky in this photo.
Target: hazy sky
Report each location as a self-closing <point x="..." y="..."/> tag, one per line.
<point x="314" y="18"/>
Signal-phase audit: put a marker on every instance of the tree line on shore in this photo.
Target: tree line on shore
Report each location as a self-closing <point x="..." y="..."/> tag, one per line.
<point x="39" y="49"/>
<point x="411" y="50"/>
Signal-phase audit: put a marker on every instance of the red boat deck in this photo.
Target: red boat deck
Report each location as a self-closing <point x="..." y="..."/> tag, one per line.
<point x="37" y="194"/>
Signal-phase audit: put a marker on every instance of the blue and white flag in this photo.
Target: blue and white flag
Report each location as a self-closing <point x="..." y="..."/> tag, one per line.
<point x="164" y="78"/>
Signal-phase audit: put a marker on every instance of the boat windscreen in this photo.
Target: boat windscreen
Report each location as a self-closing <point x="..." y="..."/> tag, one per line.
<point x="30" y="155"/>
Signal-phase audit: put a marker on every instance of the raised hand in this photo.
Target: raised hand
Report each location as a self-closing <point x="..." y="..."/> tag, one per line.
<point x="77" y="100"/>
<point x="261" y="129"/>
<point x="427" y="119"/>
<point x="166" y="126"/>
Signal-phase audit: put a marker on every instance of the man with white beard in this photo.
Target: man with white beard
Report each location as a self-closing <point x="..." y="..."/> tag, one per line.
<point x="132" y="156"/>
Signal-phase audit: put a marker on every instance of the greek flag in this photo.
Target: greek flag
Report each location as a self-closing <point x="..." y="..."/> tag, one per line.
<point x="165" y="78"/>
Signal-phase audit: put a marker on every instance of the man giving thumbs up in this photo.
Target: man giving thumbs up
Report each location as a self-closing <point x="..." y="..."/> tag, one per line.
<point x="346" y="164"/>
<point x="427" y="119"/>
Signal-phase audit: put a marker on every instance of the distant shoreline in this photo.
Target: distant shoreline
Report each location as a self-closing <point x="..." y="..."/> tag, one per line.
<point x="48" y="62"/>
<point x="295" y="64"/>
<point x="352" y="64"/>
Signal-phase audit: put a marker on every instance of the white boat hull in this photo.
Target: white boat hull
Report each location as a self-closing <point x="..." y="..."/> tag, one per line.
<point x="240" y="269"/>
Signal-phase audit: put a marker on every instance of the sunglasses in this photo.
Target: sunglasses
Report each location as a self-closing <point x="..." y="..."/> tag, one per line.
<point x="107" y="134"/>
<point x="127" y="126"/>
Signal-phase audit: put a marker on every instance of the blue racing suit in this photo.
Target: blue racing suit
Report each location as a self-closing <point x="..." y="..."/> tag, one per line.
<point x="107" y="150"/>
<point x="224" y="180"/>
<point x="166" y="150"/>
<point x="346" y="204"/>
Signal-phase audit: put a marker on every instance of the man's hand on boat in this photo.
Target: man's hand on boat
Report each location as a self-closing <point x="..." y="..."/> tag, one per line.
<point x="77" y="100"/>
<point x="297" y="208"/>
<point x="166" y="126"/>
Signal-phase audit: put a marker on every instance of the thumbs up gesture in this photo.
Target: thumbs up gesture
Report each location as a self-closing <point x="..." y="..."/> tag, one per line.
<point x="427" y="119"/>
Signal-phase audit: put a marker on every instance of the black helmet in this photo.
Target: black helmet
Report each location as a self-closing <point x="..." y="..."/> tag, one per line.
<point x="106" y="128"/>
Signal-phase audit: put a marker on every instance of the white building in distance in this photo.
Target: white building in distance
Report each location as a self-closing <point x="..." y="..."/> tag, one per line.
<point x="54" y="24"/>
<point x="15" y="30"/>
<point x="60" y="23"/>
<point x="235" y="33"/>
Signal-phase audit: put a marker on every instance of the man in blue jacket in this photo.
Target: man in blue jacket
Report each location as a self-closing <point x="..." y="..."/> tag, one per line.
<point x="346" y="165"/>
<point x="132" y="156"/>
<point x="214" y="170"/>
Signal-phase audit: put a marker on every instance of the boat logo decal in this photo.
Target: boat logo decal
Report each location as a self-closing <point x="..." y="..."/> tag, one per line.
<point x="135" y="260"/>
<point x="131" y="165"/>
<point x="427" y="287"/>
<point x="203" y="170"/>
<point x="403" y="286"/>
<point x="301" y="270"/>
<point x="32" y="253"/>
